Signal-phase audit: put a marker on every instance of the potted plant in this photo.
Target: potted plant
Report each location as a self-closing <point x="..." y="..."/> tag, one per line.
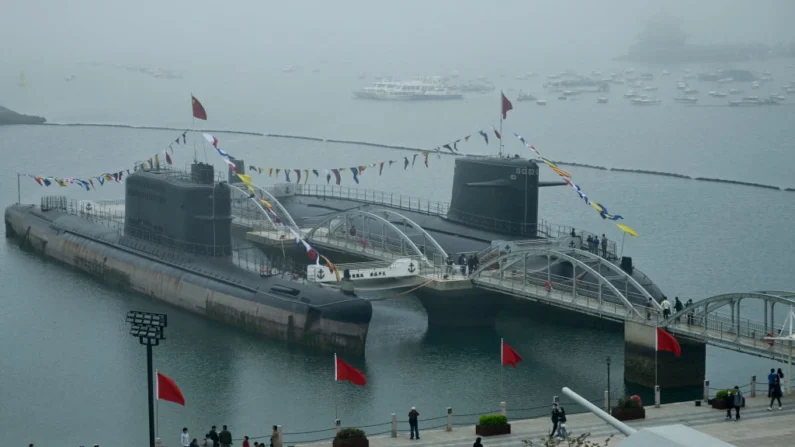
<point x="628" y="409"/>
<point x="350" y="437"/>
<point x="493" y="424"/>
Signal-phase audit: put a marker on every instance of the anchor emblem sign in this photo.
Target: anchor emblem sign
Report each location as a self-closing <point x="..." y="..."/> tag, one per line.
<point x="320" y="274"/>
<point x="411" y="268"/>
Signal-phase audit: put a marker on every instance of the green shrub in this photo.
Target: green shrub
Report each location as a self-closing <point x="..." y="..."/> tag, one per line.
<point x="626" y="402"/>
<point x="721" y="394"/>
<point x="350" y="433"/>
<point x="493" y="419"/>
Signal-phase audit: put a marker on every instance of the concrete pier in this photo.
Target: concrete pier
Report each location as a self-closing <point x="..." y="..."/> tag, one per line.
<point x="686" y="371"/>
<point x="756" y="428"/>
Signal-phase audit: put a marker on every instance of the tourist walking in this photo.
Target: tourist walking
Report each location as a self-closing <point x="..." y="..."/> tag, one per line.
<point x="475" y="262"/>
<point x="476" y="444"/>
<point x="771" y="382"/>
<point x="194" y="443"/>
<point x="690" y="313"/>
<point x="207" y="441"/>
<point x="449" y="269"/>
<point x="666" y="307"/>
<point x="649" y="309"/>
<point x="462" y="264"/>
<point x="562" y="433"/>
<point x="776" y="394"/>
<point x="225" y="437"/>
<point x="214" y="436"/>
<point x="276" y="440"/>
<point x="245" y="442"/>
<point x="678" y="306"/>
<point x="780" y="375"/>
<point x="413" y="423"/>
<point x="184" y="438"/>
<point x="737" y="402"/>
<point x="555" y="419"/>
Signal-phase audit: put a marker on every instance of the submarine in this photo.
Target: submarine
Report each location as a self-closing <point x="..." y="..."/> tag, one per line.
<point x="493" y="209"/>
<point x="174" y="242"/>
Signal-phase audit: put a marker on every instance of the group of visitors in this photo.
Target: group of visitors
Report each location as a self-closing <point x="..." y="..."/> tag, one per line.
<point x="665" y="305"/>
<point x="224" y="439"/>
<point x="466" y="265"/>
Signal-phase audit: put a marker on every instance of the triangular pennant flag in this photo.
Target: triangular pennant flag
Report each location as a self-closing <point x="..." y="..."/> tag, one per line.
<point x="426" y="158"/>
<point x="508" y="355"/>
<point x="380" y="168"/>
<point x="168" y="390"/>
<point x="413" y="160"/>
<point x="355" y="175"/>
<point x="405" y="163"/>
<point x="666" y="342"/>
<point x="484" y="135"/>
<point x="346" y="372"/>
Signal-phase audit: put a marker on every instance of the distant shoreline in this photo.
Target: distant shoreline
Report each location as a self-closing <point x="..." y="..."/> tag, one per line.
<point x="406" y="148"/>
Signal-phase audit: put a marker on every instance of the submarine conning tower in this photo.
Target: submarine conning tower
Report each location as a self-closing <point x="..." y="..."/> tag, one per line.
<point x="189" y="211"/>
<point x="497" y="193"/>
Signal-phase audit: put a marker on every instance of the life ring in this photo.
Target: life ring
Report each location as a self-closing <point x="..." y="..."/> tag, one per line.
<point x="770" y="342"/>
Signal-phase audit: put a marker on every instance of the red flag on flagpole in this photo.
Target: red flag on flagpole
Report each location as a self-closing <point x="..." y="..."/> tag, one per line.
<point x="506" y="106"/>
<point x="508" y="355"/>
<point x="667" y="342"/>
<point x="344" y="371"/>
<point x="201" y="114"/>
<point x="168" y="390"/>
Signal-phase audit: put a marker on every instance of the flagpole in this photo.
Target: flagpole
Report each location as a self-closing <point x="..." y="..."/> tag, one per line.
<point x="334" y="389"/>
<point x="623" y="235"/>
<point x="502" y="360"/>
<point x="157" y="407"/>
<point x="656" y="341"/>
<point x="501" y="95"/>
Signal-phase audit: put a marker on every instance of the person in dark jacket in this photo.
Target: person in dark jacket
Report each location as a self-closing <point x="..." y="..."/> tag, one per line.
<point x="780" y="374"/>
<point x="771" y="382"/>
<point x="214" y="436"/>
<point x="776" y="394"/>
<point x="678" y="306"/>
<point x="413" y="422"/>
<point x="462" y="264"/>
<point x="477" y="443"/>
<point x="562" y="434"/>
<point x="555" y="419"/>
<point x="225" y="437"/>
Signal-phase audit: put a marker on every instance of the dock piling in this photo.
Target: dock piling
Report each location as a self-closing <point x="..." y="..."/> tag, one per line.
<point x="656" y="396"/>
<point x="394" y="425"/>
<point x="753" y="386"/>
<point x="449" y="418"/>
<point x="503" y="409"/>
<point x="706" y="391"/>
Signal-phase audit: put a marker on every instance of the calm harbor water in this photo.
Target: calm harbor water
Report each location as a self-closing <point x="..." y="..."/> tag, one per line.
<point x="72" y="374"/>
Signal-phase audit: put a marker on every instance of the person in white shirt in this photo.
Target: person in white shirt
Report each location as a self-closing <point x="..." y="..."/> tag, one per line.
<point x="184" y="438"/>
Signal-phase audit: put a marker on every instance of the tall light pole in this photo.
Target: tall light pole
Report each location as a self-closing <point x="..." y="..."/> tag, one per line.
<point x="609" y="402"/>
<point x="148" y="327"/>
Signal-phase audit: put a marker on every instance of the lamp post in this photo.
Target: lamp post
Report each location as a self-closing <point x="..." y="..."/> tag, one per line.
<point x="608" y="382"/>
<point x="148" y="327"/>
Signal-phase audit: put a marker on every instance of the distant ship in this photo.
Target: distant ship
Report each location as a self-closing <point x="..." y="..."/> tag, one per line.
<point x="664" y="41"/>
<point x="416" y="89"/>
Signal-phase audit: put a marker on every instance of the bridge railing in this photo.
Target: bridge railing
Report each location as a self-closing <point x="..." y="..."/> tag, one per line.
<point x="727" y="327"/>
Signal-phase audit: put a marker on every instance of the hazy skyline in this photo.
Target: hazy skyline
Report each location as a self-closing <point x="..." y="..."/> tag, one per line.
<point x="243" y="33"/>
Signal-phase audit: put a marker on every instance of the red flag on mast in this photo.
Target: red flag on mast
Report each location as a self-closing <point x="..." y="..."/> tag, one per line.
<point x="198" y="109"/>
<point x="506" y="106"/>
<point x="666" y="342"/>
<point x="344" y="371"/>
<point x="508" y="355"/>
<point x="168" y="390"/>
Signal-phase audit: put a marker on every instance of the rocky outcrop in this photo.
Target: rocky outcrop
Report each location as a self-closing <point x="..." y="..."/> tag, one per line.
<point x="8" y="117"/>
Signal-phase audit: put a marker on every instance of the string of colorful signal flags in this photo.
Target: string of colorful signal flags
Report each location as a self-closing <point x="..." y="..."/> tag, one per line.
<point x="601" y="209"/>
<point x="356" y="171"/>
<point x="313" y="254"/>
<point x="115" y="176"/>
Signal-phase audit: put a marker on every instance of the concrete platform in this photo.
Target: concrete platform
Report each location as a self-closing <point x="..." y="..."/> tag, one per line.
<point x="757" y="427"/>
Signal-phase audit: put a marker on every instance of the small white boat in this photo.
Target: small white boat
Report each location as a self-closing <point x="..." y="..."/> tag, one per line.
<point x="690" y="91"/>
<point x="541" y="102"/>
<point x="563" y="97"/>
<point x="778" y="98"/>
<point x="645" y="101"/>
<point x="789" y="89"/>
<point x="725" y="80"/>
<point x="755" y="85"/>
<point x="686" y="100"/>
<point x="650" y="88"/>
<point x="630" y="94"/>
<point x="735" y="91"/>
<point x="718" y="94"/>
<point x="681" y="85"/>
<point x="601" y="100"/>
<point x="666" y="72"/>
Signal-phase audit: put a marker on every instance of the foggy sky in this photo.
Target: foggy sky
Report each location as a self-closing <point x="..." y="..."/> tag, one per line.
<point x="239" y="33"/>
